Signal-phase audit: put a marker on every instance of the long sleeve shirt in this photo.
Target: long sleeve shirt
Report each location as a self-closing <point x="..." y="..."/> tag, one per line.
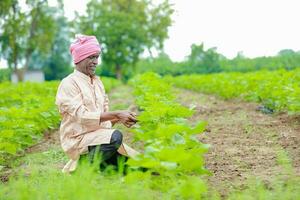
<point x="81" y="100"/>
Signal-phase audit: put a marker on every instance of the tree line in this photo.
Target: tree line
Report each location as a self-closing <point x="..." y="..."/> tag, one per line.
<point x="201" y="61"/>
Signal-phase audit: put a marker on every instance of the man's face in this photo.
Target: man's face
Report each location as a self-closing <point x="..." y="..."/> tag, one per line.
<point x="88" y="65"/>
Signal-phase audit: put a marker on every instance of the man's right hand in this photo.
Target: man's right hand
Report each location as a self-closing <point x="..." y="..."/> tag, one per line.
<point x="126" y="117"/>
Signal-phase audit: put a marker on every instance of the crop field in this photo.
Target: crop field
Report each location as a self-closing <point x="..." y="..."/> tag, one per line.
<point x="220" y="136"/>
<point x="199" y="101"/>
<point x="276" y="90"/>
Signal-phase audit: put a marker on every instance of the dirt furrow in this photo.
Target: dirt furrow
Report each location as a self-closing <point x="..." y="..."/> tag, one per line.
<point x="245" y="143"/>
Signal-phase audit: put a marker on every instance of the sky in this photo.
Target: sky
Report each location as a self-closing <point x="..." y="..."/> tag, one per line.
<point x="254" y="27"/>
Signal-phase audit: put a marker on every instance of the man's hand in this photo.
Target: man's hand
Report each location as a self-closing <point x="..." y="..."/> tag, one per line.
<point x="114" y="121"/>
<point x="129" y="124"/>
<point x="127" y="118"/>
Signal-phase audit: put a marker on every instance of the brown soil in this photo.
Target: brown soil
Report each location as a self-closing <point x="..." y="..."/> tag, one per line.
<point x="244" y="142"/>
<point x="50" y="138"/>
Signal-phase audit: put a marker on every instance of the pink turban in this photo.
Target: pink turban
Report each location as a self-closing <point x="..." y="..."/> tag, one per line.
<point x="83" y="47"/>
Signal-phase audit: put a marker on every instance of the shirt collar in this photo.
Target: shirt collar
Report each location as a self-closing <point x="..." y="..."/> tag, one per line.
<point x="83" y="76"/>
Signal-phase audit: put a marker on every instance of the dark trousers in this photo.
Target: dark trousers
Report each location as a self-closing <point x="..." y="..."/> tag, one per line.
<point x="107" y="153"/>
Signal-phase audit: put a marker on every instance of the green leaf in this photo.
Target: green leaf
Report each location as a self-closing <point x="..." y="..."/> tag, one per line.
<point x="8" y="147"/>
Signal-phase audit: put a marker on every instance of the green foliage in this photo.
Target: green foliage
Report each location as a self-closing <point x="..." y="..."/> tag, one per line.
<point x="5" y="75"/>
<point x="175" y="158"/>
<point x="178" y="159"/>
<point x="286" y="59"/>
<point x="26" y="111"/>
<point x="85" y="185"/>
<point x="4" y="7"/>
<point x="56" y="64"/>
<point x="201" y="61"/>
<point x="25" y="31"/>
<point x="278" y="189"/>
<point x="125" y="29"/>
<point x="161" y="65"/>
<point x="277" y="90"/>
<point x="110" y="83"/>
<point x="13" y="30"/>
<point x="41" y="180"/>
<point x="171" y="146"/>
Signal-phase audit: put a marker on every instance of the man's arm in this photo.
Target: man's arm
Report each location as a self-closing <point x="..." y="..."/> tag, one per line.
<point x="109" y="116"/>
<point x="125" y="117"/>
<point x="69" y="100"/>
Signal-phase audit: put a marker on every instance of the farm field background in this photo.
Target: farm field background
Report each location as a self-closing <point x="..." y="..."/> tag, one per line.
<point x="215" y="85"/>
<point x="249" y="154"/>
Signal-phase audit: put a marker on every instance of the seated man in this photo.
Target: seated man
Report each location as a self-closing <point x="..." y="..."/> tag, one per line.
<point x="86" y="125"/>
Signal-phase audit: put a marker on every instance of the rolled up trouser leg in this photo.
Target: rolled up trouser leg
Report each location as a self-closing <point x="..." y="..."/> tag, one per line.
<point x="107" y="151"/>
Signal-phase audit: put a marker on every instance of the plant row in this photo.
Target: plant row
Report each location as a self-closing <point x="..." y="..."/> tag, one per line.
<point x="276" y="90"/>
<point x="171" y="147"/>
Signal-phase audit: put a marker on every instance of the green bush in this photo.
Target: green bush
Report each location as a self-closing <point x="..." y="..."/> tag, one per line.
<point x="26" y="110"/>
<point x="5" y="75"/>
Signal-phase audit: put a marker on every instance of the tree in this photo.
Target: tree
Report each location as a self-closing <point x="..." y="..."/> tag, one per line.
<point x="202" y="61"/>
<point x="125" y="28"/>
<point x="24" y="32"/>
<point x="162" y="64"/>
<point x="13" y="26"/>
<point x="56" y="64"/>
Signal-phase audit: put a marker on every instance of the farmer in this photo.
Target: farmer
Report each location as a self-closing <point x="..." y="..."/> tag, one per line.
<point x="86" y="126"/>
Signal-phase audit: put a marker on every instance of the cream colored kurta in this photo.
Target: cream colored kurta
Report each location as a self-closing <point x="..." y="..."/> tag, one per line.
<point x="81" y="100"/>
